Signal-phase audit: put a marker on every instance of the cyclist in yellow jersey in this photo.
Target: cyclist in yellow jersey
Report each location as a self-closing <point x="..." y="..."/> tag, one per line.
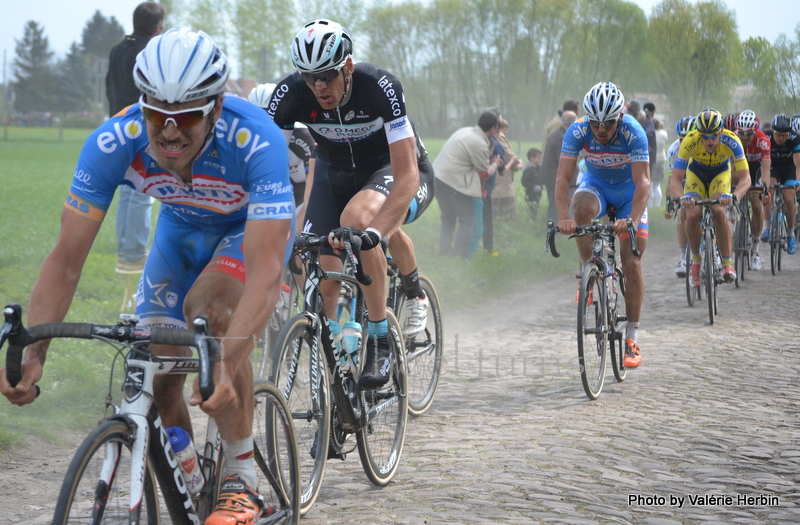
<point x="704" y="158"/>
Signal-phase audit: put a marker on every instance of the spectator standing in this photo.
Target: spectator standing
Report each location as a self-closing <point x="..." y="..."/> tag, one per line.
<point x="569" y="105"/>
<point x="463" y="161"/>
<point x="552" y="154"/>
<point x="659" y="168"/>
<point x="532" y="181"/>
<point x="504" y="198"/>
<point x="133" y="207"/>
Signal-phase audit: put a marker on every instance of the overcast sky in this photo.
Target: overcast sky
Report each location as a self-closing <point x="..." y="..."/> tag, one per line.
<point x="63" y="21"/>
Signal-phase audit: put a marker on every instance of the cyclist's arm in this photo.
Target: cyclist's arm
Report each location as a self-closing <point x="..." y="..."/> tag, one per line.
<point x="264" y="243"/>
<point x="51" y="297"/>
<point x="566" y="171"/>
<point x="766" y="166"/>
<point x="796" y="158"/>
<point x="743" y="183"/>
<point x="403" y="154"/>
<point x="641" y="177"/>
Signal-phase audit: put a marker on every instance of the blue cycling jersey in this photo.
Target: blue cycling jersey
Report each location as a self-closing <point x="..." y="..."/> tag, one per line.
<point x="236" y="176"/>
<point x="609" y="163"/>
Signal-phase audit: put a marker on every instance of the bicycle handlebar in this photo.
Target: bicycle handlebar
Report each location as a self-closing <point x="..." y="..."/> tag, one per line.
<point x="19" y="337"/>
<point x="603" y="229"/>
<point x="352" y="245"/>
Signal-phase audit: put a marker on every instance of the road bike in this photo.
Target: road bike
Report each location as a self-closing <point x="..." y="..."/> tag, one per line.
<point x="742" y="240"/>
<point x="711" y="272"/>
<point x="126" y="465"/>
<point x="424" y="350"/>
<point x="779" y="228"/>
<point x="602" y="314"/>
<point x="319" y="380"/>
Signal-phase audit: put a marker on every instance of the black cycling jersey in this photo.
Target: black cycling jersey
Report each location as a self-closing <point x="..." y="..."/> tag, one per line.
<point x="782" y="167"/>
<point x="356" y="135"/>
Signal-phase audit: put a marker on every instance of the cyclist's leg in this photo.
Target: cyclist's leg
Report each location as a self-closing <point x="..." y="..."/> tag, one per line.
<point x="588" y="203"/>
<point x="166" y="279"/>
<point x="789" y="200"/>
<point x="694" y="187"/>
<point x="720" y="184"/>
<point x="768" y="207"/>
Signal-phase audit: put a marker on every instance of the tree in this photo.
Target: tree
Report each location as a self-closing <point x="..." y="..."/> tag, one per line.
<point x="263" y="31"/>
<point x="33" y="70"/>
<point x="74" y="85"/>
<point x="100" y="35"/>
<point x="760" y="72"/>
<point x="210" y="16"/>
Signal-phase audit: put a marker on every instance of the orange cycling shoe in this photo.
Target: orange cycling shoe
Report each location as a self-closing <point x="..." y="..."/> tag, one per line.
<point x="633" y="354"/>
<point x="589" y="300"/>
<point x="238" y="504"/>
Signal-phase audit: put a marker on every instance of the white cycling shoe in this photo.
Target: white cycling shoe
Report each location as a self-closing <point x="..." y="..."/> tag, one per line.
<point x="416" y="316"/>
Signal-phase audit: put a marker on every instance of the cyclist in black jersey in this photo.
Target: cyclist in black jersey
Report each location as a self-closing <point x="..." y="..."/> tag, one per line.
<point x="785" y="169"/>
<point x="372" y="171"/>
<point x="302" y="153"/>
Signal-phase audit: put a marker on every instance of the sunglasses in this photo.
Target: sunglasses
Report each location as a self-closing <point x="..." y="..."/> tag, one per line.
<point x="746" y="133"/>
<point x="781" y="135"/>
<point x="602" y="124"/>
<point x="182" y="118"/>
<point x="324" y="76"/>
<point x="710" y="136"/>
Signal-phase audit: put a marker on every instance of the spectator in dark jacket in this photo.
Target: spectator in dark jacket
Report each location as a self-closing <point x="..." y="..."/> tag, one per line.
<point x="552" y="152"/>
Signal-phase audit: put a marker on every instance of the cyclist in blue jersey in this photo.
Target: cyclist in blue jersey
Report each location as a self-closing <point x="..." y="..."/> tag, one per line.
<point x="618" y="176"/>
<point x="219" y="166"/>
<point x="372" y="173"/>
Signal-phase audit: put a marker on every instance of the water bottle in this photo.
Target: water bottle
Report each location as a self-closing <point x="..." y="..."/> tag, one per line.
<point x="351" y="341"/>
<point x="187" y="459"/>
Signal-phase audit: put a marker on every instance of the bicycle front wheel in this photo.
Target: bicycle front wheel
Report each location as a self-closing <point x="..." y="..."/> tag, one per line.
<point x="424" y="352"/>
<point x="592" y="331"/>
<point x="300" y="375"/>
<point x="691" y="294"/>
<point x="97" y="486"/>
<point x="383" y="431"/>
<point x="774" y="245"/>
<point x="710" y="277"/>
<point x="275" y="450"/>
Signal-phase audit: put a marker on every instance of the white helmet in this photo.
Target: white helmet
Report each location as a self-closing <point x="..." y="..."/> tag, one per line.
<point x="748" y="121"/>
<point x="261" y="93"/>
<point x="603" y="102"/>
<point x="321" y="45"/>
<point x="181" y="65"/>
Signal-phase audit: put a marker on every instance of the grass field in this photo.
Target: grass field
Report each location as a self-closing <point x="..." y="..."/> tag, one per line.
<point x="37" y="172"/>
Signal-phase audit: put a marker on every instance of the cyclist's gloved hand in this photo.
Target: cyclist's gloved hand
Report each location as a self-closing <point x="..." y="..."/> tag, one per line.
<point x="766" y="197"/>
<point x="726" y="199"/>
<point x="370" y="238"/>
<point x="687" y="201"/>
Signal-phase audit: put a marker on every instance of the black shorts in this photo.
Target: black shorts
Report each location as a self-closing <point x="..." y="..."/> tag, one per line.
<point x="333" y="189"/>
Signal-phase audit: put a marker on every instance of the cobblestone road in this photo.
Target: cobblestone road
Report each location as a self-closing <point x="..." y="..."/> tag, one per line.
<point x="511" y="437"/>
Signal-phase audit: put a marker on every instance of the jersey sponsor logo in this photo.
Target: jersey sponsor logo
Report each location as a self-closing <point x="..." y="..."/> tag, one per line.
<point x="350" y="116"/>
<point x="241" y="136"/>
<point x="260" y="211"/>
<point x="108" y="141"/>
<point x="277" y="188"/>
<point x="391" y="94"/>
<point x="422" y="192"/>
<point x="82" y="176"/>
<point x="81" y="207"/>
<point x="313" y="115"/>
<point x="348" y="132"/>
<point x="276" y="98"/>
<point x="608" y="161"/>
<point x="156" y="292"/>
<point x="172" y="299"/>
<point x="397" y="124"/>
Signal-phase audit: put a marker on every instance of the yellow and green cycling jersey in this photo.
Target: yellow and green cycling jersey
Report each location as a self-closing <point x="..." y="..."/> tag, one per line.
<point x="708" y="173"/>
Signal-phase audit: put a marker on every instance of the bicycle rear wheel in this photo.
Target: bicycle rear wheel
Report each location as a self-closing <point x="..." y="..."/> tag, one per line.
<point x="619" y="320"/>
<point x="592" y="331"/>
<point x="710" y="279"/>
<point x="97" y="485"/>
<point x="423" y="352"/>
<point x="741" y="251"/>
<point x="278" y="475"/>
<point x="383" y="430"/>
<point x="784" y="235"/>
<point x="774" y="244"/>
<point x="302" y="379"/>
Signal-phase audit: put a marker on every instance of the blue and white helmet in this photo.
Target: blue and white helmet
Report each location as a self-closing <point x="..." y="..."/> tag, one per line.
<point x="261" y="94"/>
<point x="603" y="102"/>
<point x="321" y="45"/>
<point x="181" y="65"/>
